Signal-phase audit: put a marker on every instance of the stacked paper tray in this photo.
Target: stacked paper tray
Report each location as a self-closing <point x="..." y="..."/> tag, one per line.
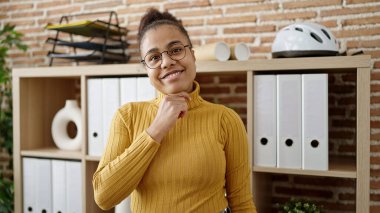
<point x="88" y="28"/>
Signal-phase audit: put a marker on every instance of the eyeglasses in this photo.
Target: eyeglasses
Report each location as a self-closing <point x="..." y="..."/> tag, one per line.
<point x="154" y="59"/>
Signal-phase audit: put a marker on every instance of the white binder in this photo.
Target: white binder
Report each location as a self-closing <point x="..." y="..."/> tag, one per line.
<point x="265" y="120"/>
<point x="29" y="186"/>
<point x="315" y="121"/>
<point x="145" y="91"/>
<point x="128" y="90"/>
<point x="44" y="185"/>
<point x="74" y="186"/>
<point x="111" y="102"/>
<point x="59" y="185"/>
<point x="95" y="116"/>
<point x="289" y="121"/>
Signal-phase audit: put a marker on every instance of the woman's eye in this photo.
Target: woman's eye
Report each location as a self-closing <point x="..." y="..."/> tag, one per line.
<point x="154" y="57"/>
<point x="175" y="51"/>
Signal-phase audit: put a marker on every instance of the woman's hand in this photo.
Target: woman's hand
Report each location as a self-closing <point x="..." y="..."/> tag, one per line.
<point x="171" y="108"/>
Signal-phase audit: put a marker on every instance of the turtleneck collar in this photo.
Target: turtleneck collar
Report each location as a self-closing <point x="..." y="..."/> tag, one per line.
<point x="195" y="101"/>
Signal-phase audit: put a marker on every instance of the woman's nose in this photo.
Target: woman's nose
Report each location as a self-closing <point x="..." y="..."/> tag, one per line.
<point x="166" y="60"/>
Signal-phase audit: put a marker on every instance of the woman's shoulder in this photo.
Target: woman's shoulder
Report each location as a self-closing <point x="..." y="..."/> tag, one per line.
<point x="218" y="107"/>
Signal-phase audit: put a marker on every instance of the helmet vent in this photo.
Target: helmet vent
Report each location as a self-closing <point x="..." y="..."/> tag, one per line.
<point x="324" y="32"/>
<point x="316" y="37"/>
<point x="299" y="29"/>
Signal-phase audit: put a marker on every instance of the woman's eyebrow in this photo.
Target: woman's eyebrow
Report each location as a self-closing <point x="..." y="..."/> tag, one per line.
<point x="155" y="49"/>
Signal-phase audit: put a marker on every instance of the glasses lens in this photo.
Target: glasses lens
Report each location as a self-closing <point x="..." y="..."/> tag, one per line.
<point x="177" y="52"/>
<point x="153" y="59"/>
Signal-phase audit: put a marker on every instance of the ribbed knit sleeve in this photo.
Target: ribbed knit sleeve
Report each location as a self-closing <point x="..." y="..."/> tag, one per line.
<point x="124" y="162"/>
<point x="237" y="166"/>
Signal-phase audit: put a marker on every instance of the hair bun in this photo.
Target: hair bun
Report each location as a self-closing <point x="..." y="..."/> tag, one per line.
<point x="153" y="15"/>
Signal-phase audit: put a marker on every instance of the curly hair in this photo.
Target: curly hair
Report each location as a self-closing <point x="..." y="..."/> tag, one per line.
<point x="154" y="18"/>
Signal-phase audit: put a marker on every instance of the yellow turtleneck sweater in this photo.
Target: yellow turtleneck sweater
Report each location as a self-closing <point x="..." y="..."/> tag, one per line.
<point x="203" y="157"/>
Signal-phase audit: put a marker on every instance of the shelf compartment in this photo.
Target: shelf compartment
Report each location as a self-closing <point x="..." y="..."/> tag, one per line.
<point x="40" y="100"/>
<point x="342" y="167"/>
<point x="52" y="152"/>
<point x="88" y="28"/>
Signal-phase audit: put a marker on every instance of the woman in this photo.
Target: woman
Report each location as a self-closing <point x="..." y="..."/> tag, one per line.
<point x="178" y="152"/>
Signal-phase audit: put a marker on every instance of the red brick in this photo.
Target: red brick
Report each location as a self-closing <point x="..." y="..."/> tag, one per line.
<point x="288" y="16"/>
<point x="219" y="2"/>
<point x="202" y="32"/>
<point x="67" y="10"/>
<point x="103" y="5"/>
<point x="303" y="192"/>
<point x="232" y="20"/>
<point x="375" y="99"/>
<point x="199" y="12"/>
<point x="359" y="1"/>
<point x="375" y="173"/>
<point x="205" y="79"/>
<point x="375" y="112"/>
<point x="338" y="206"/>
<point x="241" y="89"/>
<point x="256" y="29"/>
<point x="252" y="8"/>
<point x="375" y="184"/>
<point x="233" y="79"/>
<point x="363" y="43"/>
<point x="43" y="5"/>
<point x="27" y="14"/>
<point x="346" y="196"/>
<point x="374" y="208"/>
<point x="186" y="4"/>
<point x="133" y="9"/>
<point x="349" y="11"/>
<point x="193" y="22"/>
<point x="341" y="135"/>
<point x="215" y="90"/>
<point x="347" y="149"/>
<point x="16" y="7"/>
<point x="375" y="124"/>
<point x="372" y="53"/>
<point x="26" y="22"/>
<point x="308" y="4"/>
<point x="357" y="32"/>
<point x="231" y="100"/>
<point x="141" y="1"/>
<point x="233" y="40"/>
<point x="327" y="182"/>
<point x="376" y="64"/>
<point x="361" y="21"/>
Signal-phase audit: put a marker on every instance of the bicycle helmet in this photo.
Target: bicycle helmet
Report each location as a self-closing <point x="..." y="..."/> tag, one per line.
<point x="304" y="39"/>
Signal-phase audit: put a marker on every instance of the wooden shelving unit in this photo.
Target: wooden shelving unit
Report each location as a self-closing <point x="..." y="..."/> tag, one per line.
<point x="38" y="93"/>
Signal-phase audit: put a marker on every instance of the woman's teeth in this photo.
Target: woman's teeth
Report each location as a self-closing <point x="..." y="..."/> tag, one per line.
<point x="172" y="75"/>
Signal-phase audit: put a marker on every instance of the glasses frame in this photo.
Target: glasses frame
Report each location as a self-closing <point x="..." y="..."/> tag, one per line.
<point x="167" y="52"/>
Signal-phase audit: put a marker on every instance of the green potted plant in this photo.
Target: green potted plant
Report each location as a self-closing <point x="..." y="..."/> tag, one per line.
<point x="9" y="38"/>
<point x="298" y="206"/>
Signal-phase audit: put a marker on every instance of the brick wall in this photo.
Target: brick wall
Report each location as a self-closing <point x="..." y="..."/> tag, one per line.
<point x="354" y="22"/>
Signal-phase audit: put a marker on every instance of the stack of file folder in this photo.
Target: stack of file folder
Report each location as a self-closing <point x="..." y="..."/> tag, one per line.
<point x="291" y="121"/>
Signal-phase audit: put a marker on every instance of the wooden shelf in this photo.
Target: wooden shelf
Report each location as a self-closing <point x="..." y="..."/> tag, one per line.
<point x="38" y="93"/>
<point x="337" y="168"/>
<point x="93" y="158"/>
<point x="52" y="152"/>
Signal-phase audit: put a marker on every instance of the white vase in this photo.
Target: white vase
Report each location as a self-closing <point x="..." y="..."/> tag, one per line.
<point x="69" y="113"/>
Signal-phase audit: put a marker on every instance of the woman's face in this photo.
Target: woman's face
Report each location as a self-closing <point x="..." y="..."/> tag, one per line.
<point x="172" y="76"/>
